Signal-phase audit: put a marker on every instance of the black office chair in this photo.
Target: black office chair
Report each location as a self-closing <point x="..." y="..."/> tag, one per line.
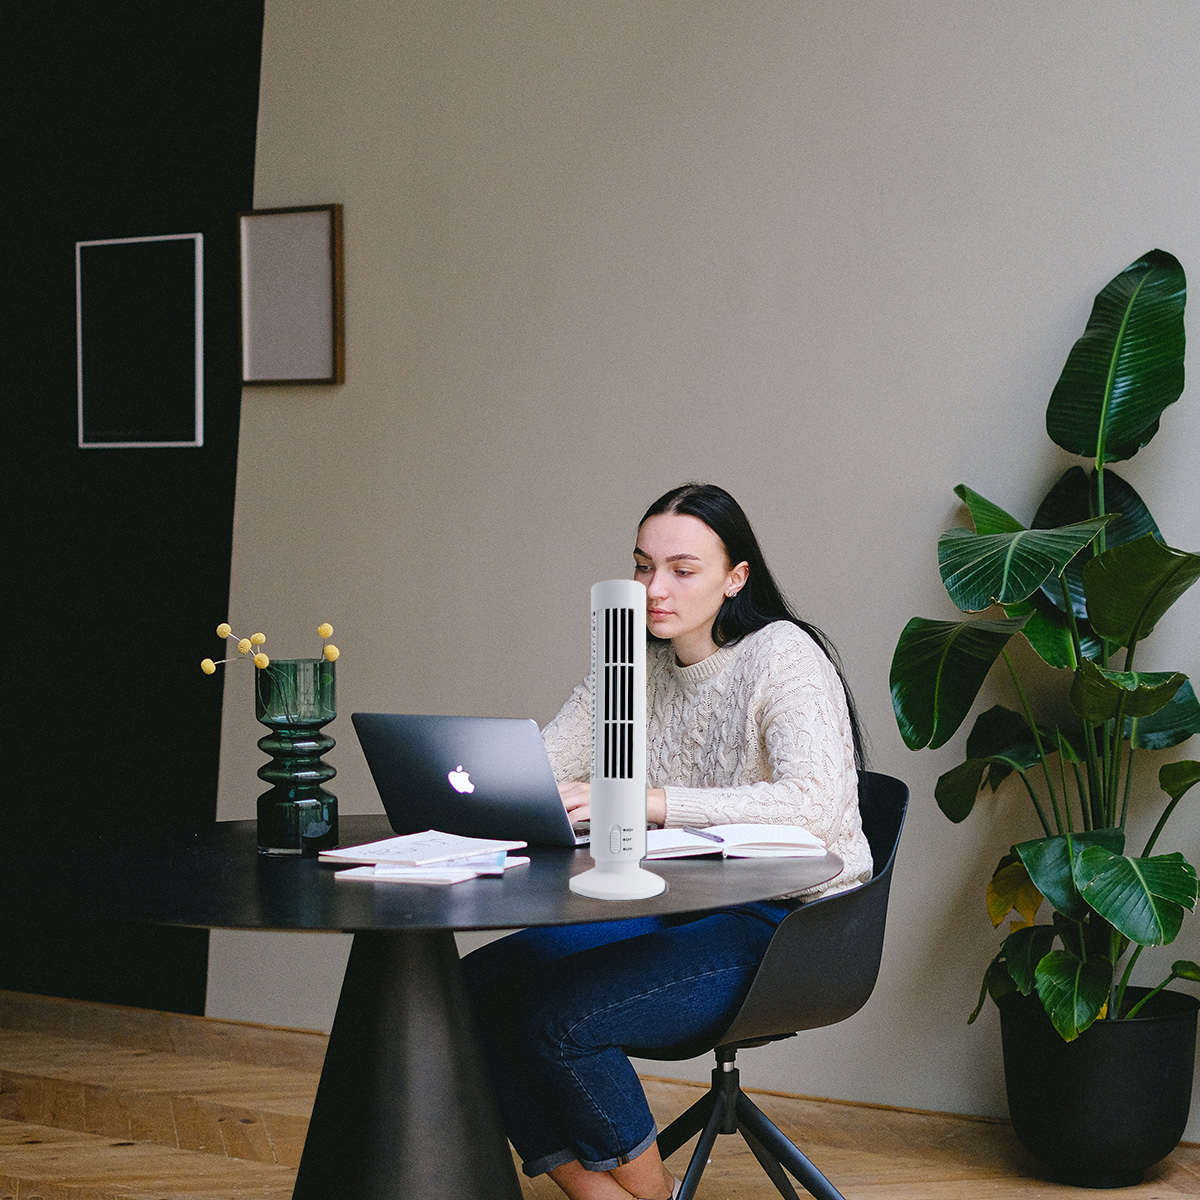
<point x="820" y="968"/>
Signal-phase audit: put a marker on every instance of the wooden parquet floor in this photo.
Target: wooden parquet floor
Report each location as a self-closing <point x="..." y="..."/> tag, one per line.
<point x="105" y="1103"/>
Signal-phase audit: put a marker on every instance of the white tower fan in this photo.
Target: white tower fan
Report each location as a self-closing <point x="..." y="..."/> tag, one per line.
<point x="618" y="794"/>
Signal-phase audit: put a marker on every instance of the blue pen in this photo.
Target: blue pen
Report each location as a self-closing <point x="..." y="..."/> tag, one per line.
<point x="712" y="837"/>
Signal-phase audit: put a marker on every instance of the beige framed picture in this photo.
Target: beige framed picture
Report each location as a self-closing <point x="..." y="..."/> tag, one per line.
<point x="291" y="295"/>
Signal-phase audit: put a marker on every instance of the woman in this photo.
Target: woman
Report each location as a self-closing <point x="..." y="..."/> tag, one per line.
<point x="748" y="719"/>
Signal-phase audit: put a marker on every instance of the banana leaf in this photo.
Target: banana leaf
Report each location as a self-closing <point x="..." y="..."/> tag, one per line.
<point x="1128" y="365"/>
<point x="1096" y="693"/>
<point x="1011" y="890"/>
<point x="957" y="790"/>
<point x="1174" y="723"/>
<point x="1075" y="498"/>
<point x="997" y="982"/>
<point x="1006" y="568"/>
<point x="1047" y="631"/>
<point x="937" y="671"/>
<point x="1130" y="587"/>
<point x="1004" y="733"/>
<point x="1143" y="898"/>
<point x="999" y="743"/>
<point x="1178" y="777"/>
<point x="1050" y="862"/>
<point x="1023" y="950"/>
<point x="991" y="518"/>
<point x="1073" y="992"/>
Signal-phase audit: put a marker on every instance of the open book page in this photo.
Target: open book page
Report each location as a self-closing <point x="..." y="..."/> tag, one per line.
<point x="735" y="841"/>
<point x="419" y="849"/>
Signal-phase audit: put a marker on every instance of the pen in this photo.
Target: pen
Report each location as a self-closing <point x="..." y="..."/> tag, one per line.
<point x="712" y="837"/>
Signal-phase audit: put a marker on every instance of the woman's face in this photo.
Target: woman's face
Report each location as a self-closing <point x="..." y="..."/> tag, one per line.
<point x="687" y="575"/>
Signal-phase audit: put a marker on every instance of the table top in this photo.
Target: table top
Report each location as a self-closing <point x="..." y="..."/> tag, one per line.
<point x="215" y="878"/>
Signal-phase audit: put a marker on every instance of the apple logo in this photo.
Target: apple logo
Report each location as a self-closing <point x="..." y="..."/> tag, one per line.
<point x="460" y="780"/>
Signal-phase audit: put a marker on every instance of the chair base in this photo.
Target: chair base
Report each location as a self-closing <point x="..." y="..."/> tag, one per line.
<point x="725" y="1108"/>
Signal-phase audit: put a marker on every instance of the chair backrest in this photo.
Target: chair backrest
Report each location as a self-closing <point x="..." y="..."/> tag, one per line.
<point x="823" y="959"/>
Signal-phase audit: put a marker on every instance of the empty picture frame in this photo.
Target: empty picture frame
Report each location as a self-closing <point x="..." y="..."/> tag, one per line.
<point x="291" y="285"/>
<point x="139" y="334"/>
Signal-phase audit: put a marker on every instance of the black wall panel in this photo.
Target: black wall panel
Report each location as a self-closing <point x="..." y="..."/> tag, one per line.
<point x="121" y="119"/>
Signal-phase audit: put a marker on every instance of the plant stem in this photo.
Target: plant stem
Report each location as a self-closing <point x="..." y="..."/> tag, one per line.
<point x="1133" y="1012"/>
<point x="1119" y="993"/>
<point x="1037" y="804"/>
<point x="1159" y="827"/>
<point x="1094" y="788"/>
<point x="1128" y="780"/>
<point x="1101" y="542"/>
<point x="1112" y="785"/>
<point x="1116" y="992"/>
<point x="1062" y="775"/>
<point x="1037" y="738"/>
<point x="1081" y="787"/>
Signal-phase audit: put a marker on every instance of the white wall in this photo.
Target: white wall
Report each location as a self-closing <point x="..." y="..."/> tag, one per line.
<point x="831" y="255"/>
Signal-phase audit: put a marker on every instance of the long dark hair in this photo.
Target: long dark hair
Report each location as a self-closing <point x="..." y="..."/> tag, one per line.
<point x="759" y="601"/>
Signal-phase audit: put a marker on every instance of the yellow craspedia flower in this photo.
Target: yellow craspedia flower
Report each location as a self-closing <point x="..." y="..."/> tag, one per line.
<point x="257" y="639"/>
<point x="331" y="653"/>
<point x="244" y="646"/>
<point x="208" y="666"/>
<point x="223" y="630"/>
<point x="261" y="660"/>
<point x="325" y="630"/>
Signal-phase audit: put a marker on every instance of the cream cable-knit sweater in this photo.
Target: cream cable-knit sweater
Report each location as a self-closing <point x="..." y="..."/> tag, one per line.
<point x="758" y="731"/>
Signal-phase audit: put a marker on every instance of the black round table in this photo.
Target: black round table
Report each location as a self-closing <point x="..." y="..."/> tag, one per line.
<point x="402" y="1107"/>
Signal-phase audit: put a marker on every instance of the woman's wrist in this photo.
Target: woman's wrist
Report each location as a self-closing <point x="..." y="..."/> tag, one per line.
<point x="656" y="806"/>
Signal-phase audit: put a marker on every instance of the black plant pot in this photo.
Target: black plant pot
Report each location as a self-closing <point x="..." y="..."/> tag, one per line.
<point x="1101" y="1109"/>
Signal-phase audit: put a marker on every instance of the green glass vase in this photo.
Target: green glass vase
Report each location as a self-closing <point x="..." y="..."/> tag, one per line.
<point x="294" y="698"/>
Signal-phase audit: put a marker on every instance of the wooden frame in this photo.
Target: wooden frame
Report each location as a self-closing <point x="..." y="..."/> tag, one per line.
<point x="292" y="317"/>
<point x="139" y="336"/>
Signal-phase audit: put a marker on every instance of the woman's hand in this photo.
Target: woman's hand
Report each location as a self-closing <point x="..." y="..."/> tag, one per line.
<point x="577" y="800"/>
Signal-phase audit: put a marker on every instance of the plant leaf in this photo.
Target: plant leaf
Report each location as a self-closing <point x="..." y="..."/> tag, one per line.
<point x="1178" y="777"/>
<point x="1005" y="568"/>
<point x="1184" y="968"/>
<point x="997" y="982"/>
<point x="1096" y="693"/>
<point x="1128" y="365"/>
<point x="1142" y="898"/>
<point x="1129" y="587"/>
<point x="1175" y="722"/>
<point x="1072" y="991"/>
<point x="1000" y="742"/>
<point x="1050" y="862"/>
<point x="1075" y="497"/>
<point x="937" y="671"/>
<point x="1002" y="732"/>
<point x="957" y="789"/>
<point x="1023" y="949"/>
<point x="1011" y="890"/>
<point x="1046" y="630"/>
<point x="988" y="517"/>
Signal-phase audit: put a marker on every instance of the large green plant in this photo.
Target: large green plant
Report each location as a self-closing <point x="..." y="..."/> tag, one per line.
<point x="1083" y="585"/>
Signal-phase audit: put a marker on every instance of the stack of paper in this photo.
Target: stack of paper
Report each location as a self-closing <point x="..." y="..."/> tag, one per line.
<point x="429" y="857"/>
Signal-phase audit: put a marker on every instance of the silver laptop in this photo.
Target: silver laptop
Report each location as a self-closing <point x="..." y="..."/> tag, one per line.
<point x="478" y="776"/>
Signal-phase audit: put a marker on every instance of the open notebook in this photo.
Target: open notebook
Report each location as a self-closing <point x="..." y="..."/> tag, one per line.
<point x="734" y="841"/>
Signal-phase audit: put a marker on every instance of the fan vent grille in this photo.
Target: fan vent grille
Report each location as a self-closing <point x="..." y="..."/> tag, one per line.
<point x="617" y="666"/>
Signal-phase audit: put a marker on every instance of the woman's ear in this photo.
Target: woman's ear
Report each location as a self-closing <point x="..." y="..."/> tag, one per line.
<point x="736" y="579"/>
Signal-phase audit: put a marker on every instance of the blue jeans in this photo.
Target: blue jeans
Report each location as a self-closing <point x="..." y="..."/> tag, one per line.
<point x="557" y="1011"/>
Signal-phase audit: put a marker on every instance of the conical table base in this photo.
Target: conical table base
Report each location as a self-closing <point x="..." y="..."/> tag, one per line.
<point x="403" y="1108"/>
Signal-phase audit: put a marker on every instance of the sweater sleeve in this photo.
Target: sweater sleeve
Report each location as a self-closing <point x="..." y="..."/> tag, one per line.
<point x="568" y="736"/>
